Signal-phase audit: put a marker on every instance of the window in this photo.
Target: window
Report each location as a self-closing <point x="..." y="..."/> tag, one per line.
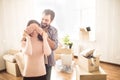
<point x="70" y="15"/>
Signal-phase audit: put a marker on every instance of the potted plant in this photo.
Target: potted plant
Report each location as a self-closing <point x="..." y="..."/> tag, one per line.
<point x="67" y="42"/>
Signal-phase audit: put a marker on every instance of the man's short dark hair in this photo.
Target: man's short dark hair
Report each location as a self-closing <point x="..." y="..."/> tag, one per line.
<point x="49" y="12"/>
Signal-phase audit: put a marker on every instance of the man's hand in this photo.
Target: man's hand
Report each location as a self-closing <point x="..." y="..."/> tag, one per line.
<point x="39" y="30"/>
<point x="31" y="28"/>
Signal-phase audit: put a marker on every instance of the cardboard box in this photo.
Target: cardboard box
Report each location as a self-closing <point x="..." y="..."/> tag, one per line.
<point x="12" y="68"/>
<point x="90" y="65"/>
<point x="63" y="50"/>
<point x="60" y="51"/>
<point x="82" y="74"/>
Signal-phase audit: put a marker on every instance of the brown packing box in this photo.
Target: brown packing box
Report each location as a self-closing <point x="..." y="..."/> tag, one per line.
<point x="12" y="68"/>
<point x="90" y="65"/>
<point x="82" y="74"/>
<point x="60" y="51"/>
<point x="63" y="50"/>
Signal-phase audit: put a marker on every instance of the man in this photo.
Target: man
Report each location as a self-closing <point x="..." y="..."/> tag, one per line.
<point x="47" y="17"/>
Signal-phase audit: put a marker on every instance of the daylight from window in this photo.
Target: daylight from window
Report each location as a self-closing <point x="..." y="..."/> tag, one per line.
<point x="70" y="15"/>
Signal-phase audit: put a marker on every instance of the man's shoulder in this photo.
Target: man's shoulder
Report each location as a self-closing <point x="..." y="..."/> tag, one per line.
<point x="53" y="28"/>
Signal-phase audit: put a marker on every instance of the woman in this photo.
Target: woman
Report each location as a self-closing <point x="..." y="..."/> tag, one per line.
<point x="35" y="47"/>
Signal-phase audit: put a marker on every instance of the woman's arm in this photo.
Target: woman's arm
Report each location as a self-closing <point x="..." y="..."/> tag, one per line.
<point x="26" y="44"/>
<point x="46" y="47"/>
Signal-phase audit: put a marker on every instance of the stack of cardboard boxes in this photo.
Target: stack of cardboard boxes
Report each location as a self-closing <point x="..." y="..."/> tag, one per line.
<point x="10" y="62"/>
<point x="89" y="69"/>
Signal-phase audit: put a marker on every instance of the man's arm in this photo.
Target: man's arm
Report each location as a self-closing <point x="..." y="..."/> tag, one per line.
<point x="51" y="43"/>
<point x="53" y="38"/>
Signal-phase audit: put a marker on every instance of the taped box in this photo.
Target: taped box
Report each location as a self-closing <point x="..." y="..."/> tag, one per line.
<point x="60" y="51"/>
<point x="12" y="68"/>
<point x="89" y="64"/>
<point x="82" y="74"/>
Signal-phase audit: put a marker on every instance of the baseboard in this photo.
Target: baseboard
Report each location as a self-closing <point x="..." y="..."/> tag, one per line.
<point x="110" y="63"/>
<point x="3" y="70"/>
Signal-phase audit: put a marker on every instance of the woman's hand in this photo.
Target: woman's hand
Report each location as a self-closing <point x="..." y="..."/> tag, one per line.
<point x="25" y="39"/>
<point x="26" y="36"/>
<point x="44" y="35"/>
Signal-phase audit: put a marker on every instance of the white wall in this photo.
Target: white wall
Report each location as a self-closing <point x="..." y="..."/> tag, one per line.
<point x="108" y="29"/>
<point x="14" y="15"/>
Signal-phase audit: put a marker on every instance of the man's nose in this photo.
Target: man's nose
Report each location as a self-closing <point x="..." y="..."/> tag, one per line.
<point x="43" y="21"/>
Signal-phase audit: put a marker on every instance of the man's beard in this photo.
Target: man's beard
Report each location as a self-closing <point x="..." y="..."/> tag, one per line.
<point x="44" y="25"/>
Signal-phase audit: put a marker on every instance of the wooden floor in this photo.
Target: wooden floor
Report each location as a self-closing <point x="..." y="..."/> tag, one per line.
<point x="113" y="73"/>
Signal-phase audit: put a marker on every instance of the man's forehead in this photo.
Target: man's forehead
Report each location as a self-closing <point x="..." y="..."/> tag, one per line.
<point x="46" y="16"/>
